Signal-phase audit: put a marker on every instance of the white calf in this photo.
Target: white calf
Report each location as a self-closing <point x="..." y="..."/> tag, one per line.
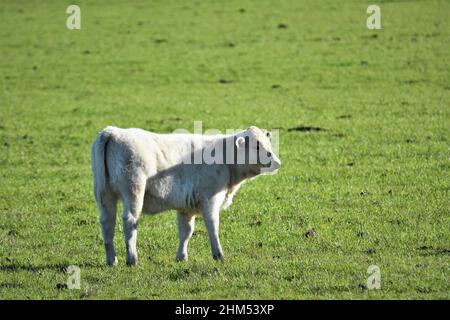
<point x="193" y="174"/>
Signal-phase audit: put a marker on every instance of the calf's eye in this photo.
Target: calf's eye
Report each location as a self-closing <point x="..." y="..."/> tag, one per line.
<point x="269" y="154"/>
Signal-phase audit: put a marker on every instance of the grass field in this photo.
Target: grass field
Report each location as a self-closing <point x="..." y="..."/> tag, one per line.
<point x="365" y="178"/>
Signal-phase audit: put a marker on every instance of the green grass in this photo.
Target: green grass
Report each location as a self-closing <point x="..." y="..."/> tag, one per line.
<point x="374" y="184"/>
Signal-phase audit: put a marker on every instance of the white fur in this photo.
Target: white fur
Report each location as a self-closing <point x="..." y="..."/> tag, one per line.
<point x="150" y="174"/>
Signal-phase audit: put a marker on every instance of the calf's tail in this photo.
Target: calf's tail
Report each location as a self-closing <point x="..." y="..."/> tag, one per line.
<point x="99" y="167"/>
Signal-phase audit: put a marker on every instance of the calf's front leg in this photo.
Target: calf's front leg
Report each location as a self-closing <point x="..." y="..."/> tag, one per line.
<point x="210" y="213"/>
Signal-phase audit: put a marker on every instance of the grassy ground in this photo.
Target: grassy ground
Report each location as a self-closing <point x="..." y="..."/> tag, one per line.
<point x="370" y="187"/>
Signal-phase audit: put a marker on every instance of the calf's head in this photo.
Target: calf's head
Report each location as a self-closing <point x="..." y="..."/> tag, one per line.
<point x="254" y="151"/>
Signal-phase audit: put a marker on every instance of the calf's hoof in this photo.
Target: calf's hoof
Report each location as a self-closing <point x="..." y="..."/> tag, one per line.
<point x="111" y="262"/>
<point x="182" y="257"/>
<point x="131" y="260"/>
<point x="218" y="256"/>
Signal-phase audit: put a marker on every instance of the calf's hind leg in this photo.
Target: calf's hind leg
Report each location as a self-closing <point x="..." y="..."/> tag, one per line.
<point x="186" y="223"/>
<point x="133" y="201"/>
<point x="108" y="214"/>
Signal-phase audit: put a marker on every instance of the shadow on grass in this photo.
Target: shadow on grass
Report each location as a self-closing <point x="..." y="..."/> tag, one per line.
<point x="432" y="251"/>
<point x="57" y="267"/>
<point x="306" y="129"/>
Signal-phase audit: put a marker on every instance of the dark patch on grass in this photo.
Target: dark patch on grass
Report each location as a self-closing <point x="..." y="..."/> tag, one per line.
<point x="86" y="52"/>
<point x="73" y="209"/>
<point x="179" y="274"/>
<point x="363" y="234"/>
<point x="13" y="233"/>
<point x="160" y="40"/>
<point x="424" y="289"/>
<point x="93" y="279"/>
<point x="276" y="86"/>
<point x="61" y="286"/>
<point x="195" y="290"/>
<point x="154" y="294"/>
<point x="364" y="63"/>
<point x="229" y="43"/>
<point x="432" y="251"/>
<point x="242" y="10"/>
<point x="328" y="289"/>
<point x="84" y="222"/>
<point x="11" y="285"/>
<point x="311" y="233"/>
<point x="290" y="278"/>
<point x="306" y="129"/>
<point x="246" y="286"/>
<point x="171" y="119"/>
<point x="224" y="81"/>
<point x="412" y="81"/>
<point x="432" y="35"/>
<point x="338" y="135"/>
<point x="282" y="25"/>
<point x="373" y="36"/>
<point x="61" y="195"/>
<point x="397" y="222"/>
<point x="199" y="233"/>
<point x="370" y="251"/>
<point x="344" y="116"/>
<point x="256" y="223"/>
